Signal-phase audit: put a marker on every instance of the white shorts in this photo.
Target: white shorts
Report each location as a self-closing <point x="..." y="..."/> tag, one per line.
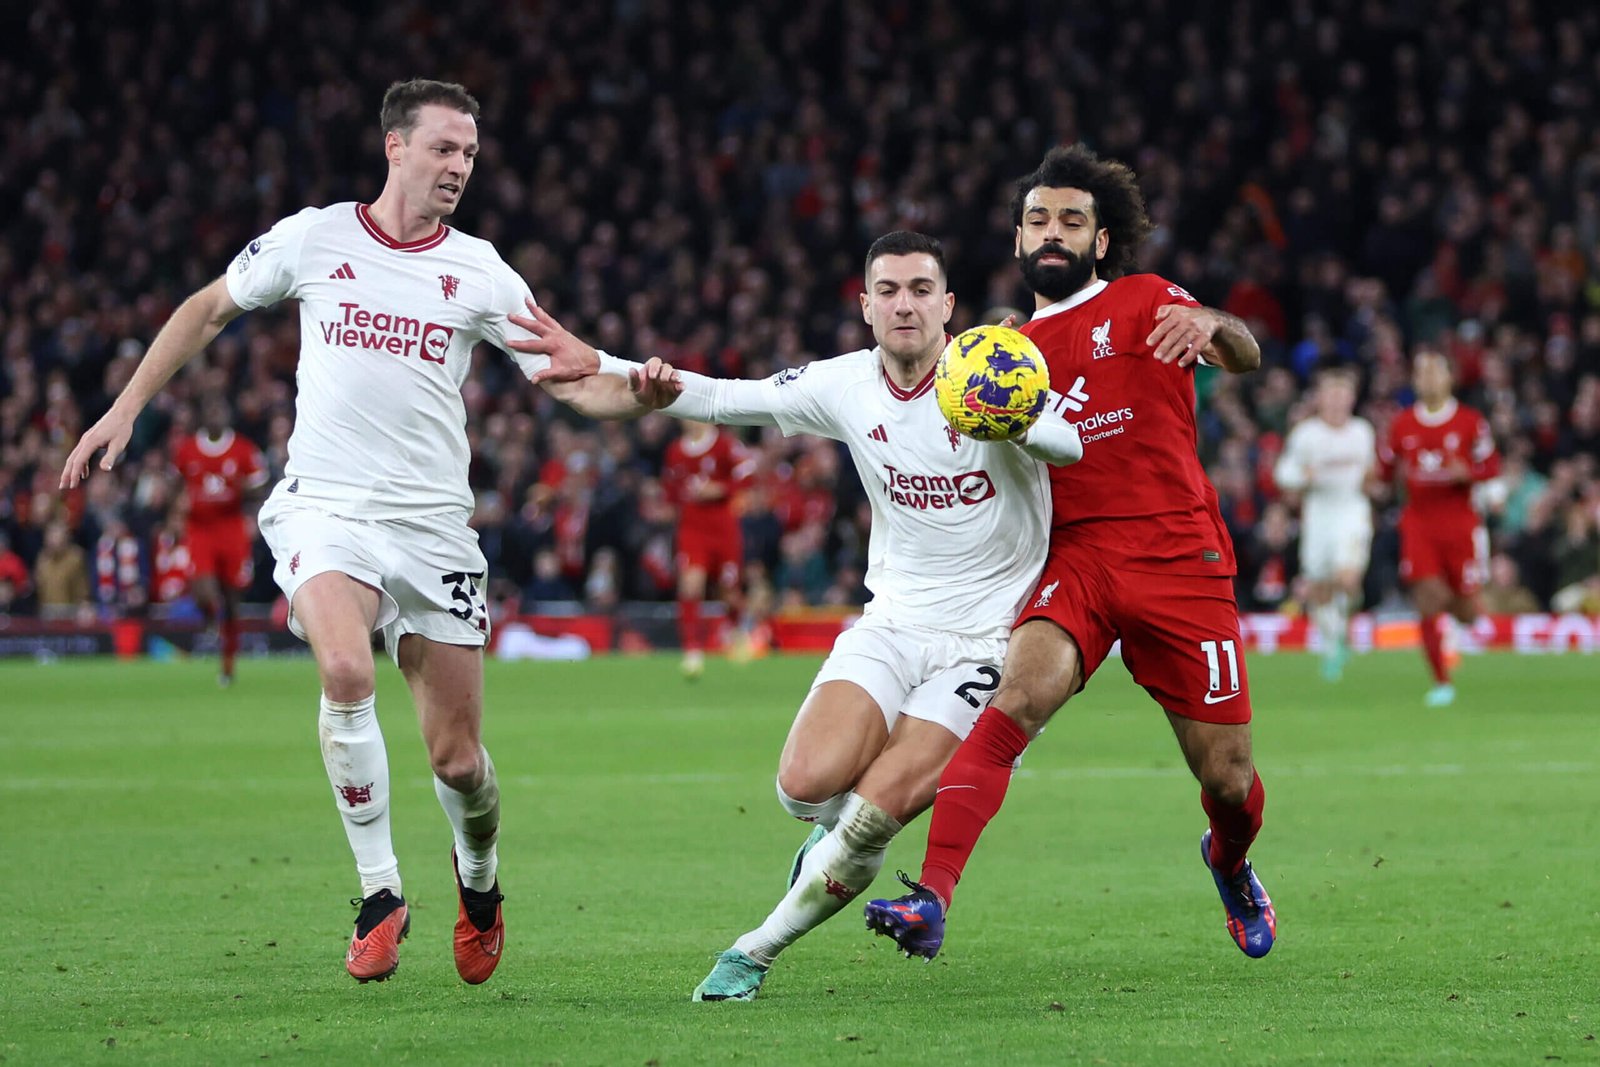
<point x="428" y="571"/>
<point x="1329" y="547"/>
<point x="932" y="675"/>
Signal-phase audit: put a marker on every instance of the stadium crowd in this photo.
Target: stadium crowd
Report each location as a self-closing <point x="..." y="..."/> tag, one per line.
<point x="700" y="181"/>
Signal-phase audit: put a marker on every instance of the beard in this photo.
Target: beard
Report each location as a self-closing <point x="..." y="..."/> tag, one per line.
<point x="1056" y="282"/>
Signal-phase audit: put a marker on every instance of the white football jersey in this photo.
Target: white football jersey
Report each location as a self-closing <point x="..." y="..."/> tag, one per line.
<point x="1329" y="464"/>
<point x="959" y="527"/>
<point x="386" y="338"/>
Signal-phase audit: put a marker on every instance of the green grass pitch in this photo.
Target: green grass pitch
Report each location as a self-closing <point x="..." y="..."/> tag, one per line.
<point x="174" y="879"/>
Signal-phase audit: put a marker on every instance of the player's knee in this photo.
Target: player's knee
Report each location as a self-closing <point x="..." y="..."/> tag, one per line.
<point x="459" y="766"/>
<point x="347" y="675"/>
<point x="815" y="804"/>
<point x="1227" y="778"/>
<point x="1026" y="704"/>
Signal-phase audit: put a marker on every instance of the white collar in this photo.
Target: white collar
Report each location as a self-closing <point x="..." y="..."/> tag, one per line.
<point x="211" y="447"/>
<point x="1082" y="296"/>
<point x="1439" y="418"/>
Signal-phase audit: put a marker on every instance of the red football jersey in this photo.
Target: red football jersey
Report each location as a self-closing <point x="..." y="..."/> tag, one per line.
<point x="1139" y="493"/>
<point x="1433" y="450"/>
<point x="216" y="474"/>
<point x="720" y="461"/>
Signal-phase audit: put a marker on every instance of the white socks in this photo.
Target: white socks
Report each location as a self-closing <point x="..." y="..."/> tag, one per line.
<point x="1332" y="621"/>
<point x="475" y="818"/>
<point x="836" y="869"/>
<point x="358" y="769"/>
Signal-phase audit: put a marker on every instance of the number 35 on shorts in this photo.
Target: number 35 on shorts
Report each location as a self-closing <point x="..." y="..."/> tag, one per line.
<point x="1222" y="668"/>
<point x="467" y="594"/>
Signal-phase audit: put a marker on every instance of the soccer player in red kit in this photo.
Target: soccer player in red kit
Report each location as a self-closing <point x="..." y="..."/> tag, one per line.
<point x="1442" y="448"/>
<point x="702" y="470"/>
<point x="219" y="470"/>
<point x="1138" y="549"/>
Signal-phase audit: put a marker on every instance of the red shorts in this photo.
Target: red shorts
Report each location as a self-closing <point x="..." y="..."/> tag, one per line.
<point x="1456" y="554"/>
<point x="221" y="550"/>
<point x="719" y="551"/>
<point x="1179" y="633"/>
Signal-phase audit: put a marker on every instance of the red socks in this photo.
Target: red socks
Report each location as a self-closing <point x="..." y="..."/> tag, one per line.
<point x="1433" y="647"/>
<point x="229" y="635"/>
<point x="689" y="625"/>
<point x="971" y="791"/>
<point x="1233" y="829"/>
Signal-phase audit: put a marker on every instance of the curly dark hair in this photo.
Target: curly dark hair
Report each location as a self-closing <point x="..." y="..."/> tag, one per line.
<point x="1118" y="203"/>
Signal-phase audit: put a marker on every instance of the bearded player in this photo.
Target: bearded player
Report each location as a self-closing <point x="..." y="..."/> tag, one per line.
<point x="1138" y="549"/>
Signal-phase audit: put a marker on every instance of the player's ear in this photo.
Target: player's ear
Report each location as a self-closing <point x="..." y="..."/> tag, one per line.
<point x="949" y="306"/>
<point x="1102" y="241"/>
<point x="1016" y="243"/>
<point x="866" y="308"/>
<point x="392" y="143"/>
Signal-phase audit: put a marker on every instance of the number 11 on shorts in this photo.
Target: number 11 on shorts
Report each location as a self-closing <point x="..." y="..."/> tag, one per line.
<point x="1214" y="664"/>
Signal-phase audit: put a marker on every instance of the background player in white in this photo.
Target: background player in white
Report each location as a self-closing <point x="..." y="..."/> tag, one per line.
<point x="369" y="525"/>
<point x="1328" y="460"/>
<point x="958" y="536"/>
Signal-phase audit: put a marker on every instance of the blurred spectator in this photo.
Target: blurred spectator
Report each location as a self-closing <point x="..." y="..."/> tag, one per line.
<point x="61" y="573"/>
<point x="1504" y="593"/>
<point x="15" y="584"/>
<point x="699" y="181"/>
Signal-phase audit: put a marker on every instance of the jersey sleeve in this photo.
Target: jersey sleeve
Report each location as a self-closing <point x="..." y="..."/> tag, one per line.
<point x="254" y="475"/>
<point x="1165" y="292"/>
<point x="509" y="298"/>
<point x="793" y="400"/>
<point x="1370" y="436"/>
<point x="1484" y="459"/>
<point x="1388" y="456"/>
<point x="1292" y="472"/>
<point x="267" y="270"/>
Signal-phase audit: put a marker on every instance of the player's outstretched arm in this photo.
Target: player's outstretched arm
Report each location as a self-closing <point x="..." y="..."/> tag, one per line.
<point x="1052" y="438"/>
<point x="194" y="325"/>
<point x="1186" y="334"/>
<point x="604" y="395"/>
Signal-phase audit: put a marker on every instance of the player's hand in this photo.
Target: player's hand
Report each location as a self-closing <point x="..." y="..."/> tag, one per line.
<point x="570" y="357"/>
<point x="656" y="384"/>
<point x="1182" y="333"/>
<point x="111" y="433"/>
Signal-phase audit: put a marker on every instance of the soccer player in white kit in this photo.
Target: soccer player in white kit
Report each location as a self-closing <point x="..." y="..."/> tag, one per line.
<point x="369" y="524"/>
<point x="959" y="531"/>
<point x="1328" y="460"/>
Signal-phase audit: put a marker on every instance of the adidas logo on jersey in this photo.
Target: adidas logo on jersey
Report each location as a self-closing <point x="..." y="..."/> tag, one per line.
<point x="344" y="272"/>
<point x="879" y="434"/>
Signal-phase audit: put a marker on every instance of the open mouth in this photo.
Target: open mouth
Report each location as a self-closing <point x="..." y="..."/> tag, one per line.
<point x="450" y="189"/>
<point x="1052" y="259"/>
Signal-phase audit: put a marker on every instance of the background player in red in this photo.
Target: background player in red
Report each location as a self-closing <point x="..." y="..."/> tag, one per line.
<point x="220" y="469"/>
<point x="702" y="470"/>
<point x="1138" y="549"/>
<point x="1442" y="448"/>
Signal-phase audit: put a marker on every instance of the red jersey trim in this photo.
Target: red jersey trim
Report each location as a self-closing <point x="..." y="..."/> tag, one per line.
<point x="908" y="394"/>
<point x="375" y="231"/>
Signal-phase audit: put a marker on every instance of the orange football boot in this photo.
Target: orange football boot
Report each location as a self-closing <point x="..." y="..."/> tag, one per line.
<point x="383" y="923"/>
<point x="480" y="929"/>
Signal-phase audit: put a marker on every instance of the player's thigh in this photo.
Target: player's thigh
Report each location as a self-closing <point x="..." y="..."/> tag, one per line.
<point x="336" y="615"/>
<point x="1044" y="667"/>
<point x="446" y="683"/>
<point x="903" y="779"/>
<point x="1062" y="635"/>
<point x="1181" y="642"/>
<point x="436" y="572"/>
<point x="1219" y="755"/>
<point x="306" y="544"/>
<point x="837" y="733"/>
